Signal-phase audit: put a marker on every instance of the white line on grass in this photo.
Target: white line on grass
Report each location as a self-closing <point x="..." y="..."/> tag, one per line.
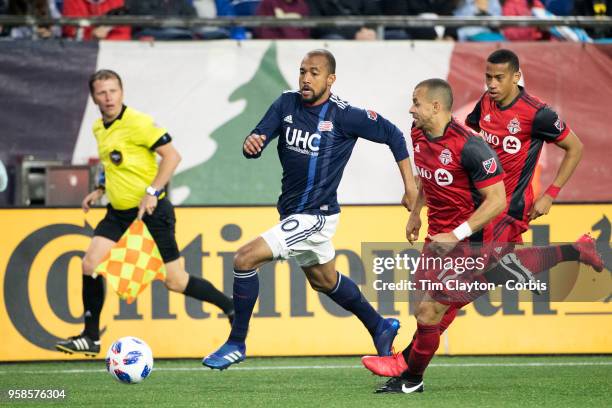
<point x="321" y="367"/>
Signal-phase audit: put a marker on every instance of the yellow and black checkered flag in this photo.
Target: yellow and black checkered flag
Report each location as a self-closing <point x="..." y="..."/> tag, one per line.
<point x="133" y="262"/>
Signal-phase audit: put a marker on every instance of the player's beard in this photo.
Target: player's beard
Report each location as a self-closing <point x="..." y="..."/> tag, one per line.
<point x="314" y="98"/>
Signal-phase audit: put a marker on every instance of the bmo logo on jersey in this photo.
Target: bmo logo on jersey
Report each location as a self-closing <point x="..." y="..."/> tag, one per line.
<point x="511" y="144"/>
<point x="443" y="177"/>
<point x="302" y="142"/>
<point x="490" y="138"/>
<point x="424" y="173"/>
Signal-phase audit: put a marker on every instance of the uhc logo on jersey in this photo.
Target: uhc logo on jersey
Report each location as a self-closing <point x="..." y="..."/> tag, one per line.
<point x="490" y="165"/>
<point x="372" y="115"/>
<point x="302" y="142"/>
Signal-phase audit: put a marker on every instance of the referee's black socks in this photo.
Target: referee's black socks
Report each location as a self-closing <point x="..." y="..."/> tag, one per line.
<point x="93" y="300"/>
<point x="203" y="290"/>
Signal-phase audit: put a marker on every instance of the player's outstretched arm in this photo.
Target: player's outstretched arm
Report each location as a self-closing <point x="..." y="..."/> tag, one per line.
<point x="573" y="153"/>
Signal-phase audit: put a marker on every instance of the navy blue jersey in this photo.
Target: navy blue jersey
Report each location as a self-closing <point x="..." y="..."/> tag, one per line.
<point x="314" y="146"/>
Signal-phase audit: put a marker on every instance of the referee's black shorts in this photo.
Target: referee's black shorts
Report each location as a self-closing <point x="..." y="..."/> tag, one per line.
<point x="161" y="225"/>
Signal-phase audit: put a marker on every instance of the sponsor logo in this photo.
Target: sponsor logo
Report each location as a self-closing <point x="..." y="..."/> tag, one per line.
<point x="514" y="126"/>
<point x="288" y="119"/>
<point x="116" y="157"/>
<point x="302" y="142"/>
<point x="325" y="126"/>
<point x="446" y="157"/>
<point x="559" y="125"/>
<point x="372" y="115"/>
<point x="490" y="138"/>
<point x="487" y="118"/>
<point x="490" y="165"/>
<point x="443" y="177"/>
<point x="511" y="144"/>
<point x="424" y="173"/>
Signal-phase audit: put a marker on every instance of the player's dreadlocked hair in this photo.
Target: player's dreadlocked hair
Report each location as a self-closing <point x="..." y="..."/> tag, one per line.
<point x="503" y="56"/>
<point x="440" y="89"/>
<point x="101" y="75"/>
<point x="331" y="60"/>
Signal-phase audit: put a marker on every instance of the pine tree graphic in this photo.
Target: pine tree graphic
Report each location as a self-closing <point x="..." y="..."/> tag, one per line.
<point x="228" y="177"/>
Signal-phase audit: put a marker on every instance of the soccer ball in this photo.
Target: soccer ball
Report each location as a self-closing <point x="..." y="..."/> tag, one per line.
<point x="129" y="360"/>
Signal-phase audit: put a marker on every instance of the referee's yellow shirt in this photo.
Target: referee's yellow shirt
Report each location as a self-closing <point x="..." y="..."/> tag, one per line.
<point x="125" y="152"/>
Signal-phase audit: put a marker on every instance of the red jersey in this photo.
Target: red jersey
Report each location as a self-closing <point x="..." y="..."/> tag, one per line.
<point x="517" y="133"/>
<point x="452" y="168"/>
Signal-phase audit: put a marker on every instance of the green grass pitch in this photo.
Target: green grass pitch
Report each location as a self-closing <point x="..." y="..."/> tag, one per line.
<point x="570" y="381"/>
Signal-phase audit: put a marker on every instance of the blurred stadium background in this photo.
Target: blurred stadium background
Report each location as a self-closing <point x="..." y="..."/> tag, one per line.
<point x="207" y="72"/>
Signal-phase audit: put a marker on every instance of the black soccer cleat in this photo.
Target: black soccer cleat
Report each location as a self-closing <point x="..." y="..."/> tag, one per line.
<point x="399" y="385"/>
<point x="81" y="344"/>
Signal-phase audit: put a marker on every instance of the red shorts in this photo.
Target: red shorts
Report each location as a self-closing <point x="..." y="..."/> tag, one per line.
<point x="506" y="229"/>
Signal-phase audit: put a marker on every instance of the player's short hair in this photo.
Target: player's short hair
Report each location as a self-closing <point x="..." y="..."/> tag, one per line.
<point x="503" y="56"/>
<point x="438" y="89"/>
<point x="331" y="60"/>
<point x="103" y="74"/>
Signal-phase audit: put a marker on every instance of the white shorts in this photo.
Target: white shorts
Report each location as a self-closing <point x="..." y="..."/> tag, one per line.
<point x="305" y="237"/>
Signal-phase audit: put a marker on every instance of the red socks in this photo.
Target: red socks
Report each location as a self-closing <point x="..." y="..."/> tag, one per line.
<point x="423" y="348"/>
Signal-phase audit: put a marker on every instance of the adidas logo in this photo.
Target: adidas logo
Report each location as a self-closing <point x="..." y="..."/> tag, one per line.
<point x="487" y="118"/>
<point x="288" y="119"/>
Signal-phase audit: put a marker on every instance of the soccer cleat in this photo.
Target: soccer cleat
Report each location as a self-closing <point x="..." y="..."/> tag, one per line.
<point x="385" y="334"/>
<point x="401" y="385"/>
<point x="387" y="366"/>
<point x="588" y="252"/>
<point x="82" y="344"/>
<point x="228" y="354"/>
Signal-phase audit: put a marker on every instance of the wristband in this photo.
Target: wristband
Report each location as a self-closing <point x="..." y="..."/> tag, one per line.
<point x="553" y="191"/>
<point x="463" y="231"/>
<point x="153" y="192"/>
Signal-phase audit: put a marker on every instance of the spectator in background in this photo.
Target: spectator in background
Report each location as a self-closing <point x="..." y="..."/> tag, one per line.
<point x="425" y="8"/>
<point x="37" y="8"/>
<point x="161" y="8"/>
<point x="208" y="9"/>
<point x="522" y="8"/>
<point x="560" y="7"/>
<point x="478" y="8"/>
<point x="595" y="8"/>
<point x="283" y="9"/>
<point x="329" y="8"/>
<point x="237" y="8"/>
<point x="89" y="8"/>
